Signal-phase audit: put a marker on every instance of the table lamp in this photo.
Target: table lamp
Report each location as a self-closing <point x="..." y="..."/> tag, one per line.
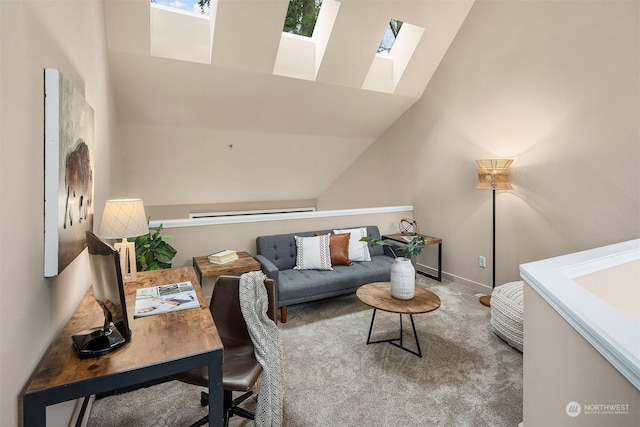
<point x="493" y="174"/>
<point x="124" y="218"/>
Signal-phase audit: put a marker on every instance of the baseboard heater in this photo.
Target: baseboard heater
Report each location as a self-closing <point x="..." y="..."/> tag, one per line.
<point x="248" y="212"/>
<point x="286" y="214"/>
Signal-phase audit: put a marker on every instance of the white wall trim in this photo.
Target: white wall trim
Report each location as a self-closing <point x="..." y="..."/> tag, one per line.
<point x="467" y="283"/>
<point x="611" y="333"/>
<point x="199" y="222"/>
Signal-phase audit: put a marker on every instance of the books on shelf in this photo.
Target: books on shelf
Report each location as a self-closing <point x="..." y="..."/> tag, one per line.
<point x="223" y="257"/>
<point x="165" y="298"/>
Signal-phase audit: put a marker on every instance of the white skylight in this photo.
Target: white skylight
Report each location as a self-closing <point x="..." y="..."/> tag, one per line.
<point x="300" y="55"/>
<point x="389" y="37"/>
<point x="301" y="17"/>
<point x="189" y="6"/>
<point x="388" y="65"/>
<point x="180" y="34"/>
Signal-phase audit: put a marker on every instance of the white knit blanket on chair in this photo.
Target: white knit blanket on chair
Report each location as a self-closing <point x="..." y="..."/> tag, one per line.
<point x="266" y="339"/>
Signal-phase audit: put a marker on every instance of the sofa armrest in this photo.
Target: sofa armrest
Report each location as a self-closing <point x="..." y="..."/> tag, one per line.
<point x="268" y="267"/>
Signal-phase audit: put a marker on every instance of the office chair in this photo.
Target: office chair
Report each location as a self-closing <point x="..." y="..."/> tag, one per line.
<point x="240" y="369"/>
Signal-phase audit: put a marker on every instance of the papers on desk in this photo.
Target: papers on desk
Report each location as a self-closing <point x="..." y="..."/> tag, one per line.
<point x="165" y="299"/>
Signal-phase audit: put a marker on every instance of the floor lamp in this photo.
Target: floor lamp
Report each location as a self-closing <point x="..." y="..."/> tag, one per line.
<point x="493" y="174"/>
<point x="121" y="219"/>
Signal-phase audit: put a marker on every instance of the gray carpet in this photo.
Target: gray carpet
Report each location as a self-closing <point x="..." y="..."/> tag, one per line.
<point x="466" y="377"/>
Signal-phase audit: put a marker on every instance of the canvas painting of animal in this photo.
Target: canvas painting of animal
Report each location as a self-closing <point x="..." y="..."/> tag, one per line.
<point x="69" y="176"/>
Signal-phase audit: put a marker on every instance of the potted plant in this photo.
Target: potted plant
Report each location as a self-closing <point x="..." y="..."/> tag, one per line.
<point x="152" y="250"/>
<point x="403" y="274"/>
<point x="412" y="248"/>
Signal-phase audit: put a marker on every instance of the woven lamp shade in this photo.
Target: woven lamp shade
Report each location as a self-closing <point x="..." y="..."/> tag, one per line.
<point x="494" y="174"/>
<point x="123" y="218"/>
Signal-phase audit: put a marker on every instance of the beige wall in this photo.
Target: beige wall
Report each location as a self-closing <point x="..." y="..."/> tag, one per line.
<point x="68" y="36"/>
<point x="552" y="378"/>
<point x="167" y="164"/>
<point x="553" y="85"/>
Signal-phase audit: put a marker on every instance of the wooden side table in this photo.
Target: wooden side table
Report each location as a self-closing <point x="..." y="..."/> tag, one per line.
<point x="378" y="296"/>
<point x="243" y="264"/>
<point x="398" y="237"/>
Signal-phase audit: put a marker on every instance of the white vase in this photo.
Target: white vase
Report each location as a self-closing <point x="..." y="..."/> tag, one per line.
<point x="403" y="279"/>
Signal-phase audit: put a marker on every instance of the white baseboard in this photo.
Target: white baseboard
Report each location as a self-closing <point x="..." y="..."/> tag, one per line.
<point x="479" y="287"/>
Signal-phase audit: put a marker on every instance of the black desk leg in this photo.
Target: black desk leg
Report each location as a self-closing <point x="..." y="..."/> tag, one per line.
<point x="216" y="398"/>
<point x="34" y="411"/>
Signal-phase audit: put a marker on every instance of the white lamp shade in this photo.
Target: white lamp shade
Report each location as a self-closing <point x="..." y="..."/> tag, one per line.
<point x="123" y="218"/>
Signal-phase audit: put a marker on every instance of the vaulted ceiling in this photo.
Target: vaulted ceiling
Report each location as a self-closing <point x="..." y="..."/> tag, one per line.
<point x="235" y="86"/>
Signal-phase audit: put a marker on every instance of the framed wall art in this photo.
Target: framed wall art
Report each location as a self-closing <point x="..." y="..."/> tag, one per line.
<point x="68" y="172"/>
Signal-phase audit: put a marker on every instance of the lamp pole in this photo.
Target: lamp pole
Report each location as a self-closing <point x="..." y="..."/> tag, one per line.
<point x="493" y="255"/>
<point x="493" y="174"/>
<point x="486" y="299"/>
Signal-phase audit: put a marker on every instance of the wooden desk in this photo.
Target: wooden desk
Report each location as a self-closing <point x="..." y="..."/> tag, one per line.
<point x="430" y="241"/>
<point x="160" y="346"/>
<point x="243" y="264"/>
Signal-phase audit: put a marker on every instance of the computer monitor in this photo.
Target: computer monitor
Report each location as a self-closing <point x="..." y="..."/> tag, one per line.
<point x="108" y="291"/>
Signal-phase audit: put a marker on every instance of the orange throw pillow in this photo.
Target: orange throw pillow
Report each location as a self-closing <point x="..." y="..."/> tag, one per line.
<point x="339" y="248"/>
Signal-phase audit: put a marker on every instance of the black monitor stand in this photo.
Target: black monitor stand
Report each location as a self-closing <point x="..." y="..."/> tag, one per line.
<point x="99" y="341"/>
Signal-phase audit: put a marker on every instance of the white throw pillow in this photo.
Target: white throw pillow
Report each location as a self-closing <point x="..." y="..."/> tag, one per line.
<point x="313" y="253"/>
<point x="358" y="251"/>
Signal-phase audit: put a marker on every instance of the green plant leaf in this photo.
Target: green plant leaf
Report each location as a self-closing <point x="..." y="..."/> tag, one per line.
<point x="412" y="248"/>
<point x="164" y="255"/>
<point x="415" y="246"/>
<point x="152" y="250"/>
<point x="381" y="242"/>
<point x="153" y="266"/>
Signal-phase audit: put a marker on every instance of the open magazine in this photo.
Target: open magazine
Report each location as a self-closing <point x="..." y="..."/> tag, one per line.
<point x="165" y="299"/>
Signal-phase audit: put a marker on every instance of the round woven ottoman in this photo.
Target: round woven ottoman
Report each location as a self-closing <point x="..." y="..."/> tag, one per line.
<point x="507" y="313"/>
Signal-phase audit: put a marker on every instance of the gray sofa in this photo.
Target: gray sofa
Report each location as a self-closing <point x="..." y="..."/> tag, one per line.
<point x="277" y="256"/>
